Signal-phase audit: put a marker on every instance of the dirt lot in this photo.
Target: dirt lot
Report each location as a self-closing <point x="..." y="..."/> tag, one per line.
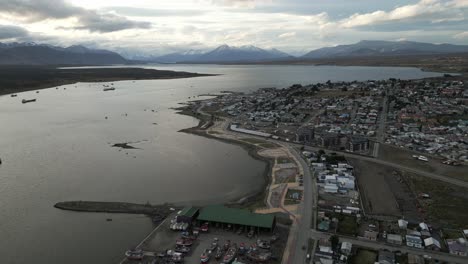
<point x="448" y="204"/>
<point x="404" y="157"/>
<point x="376" y="192"/>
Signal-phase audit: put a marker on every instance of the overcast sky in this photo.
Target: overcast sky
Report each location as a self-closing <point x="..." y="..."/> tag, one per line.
<point x="295" y="26"/>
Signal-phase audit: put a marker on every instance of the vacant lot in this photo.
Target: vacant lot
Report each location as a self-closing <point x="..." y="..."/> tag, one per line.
<point x="404" y="157"/>
<point x="377" y="195"/>
<point x="448" y="205"/>
<point x="347" y="225"/>
<point x="364" y="256"/>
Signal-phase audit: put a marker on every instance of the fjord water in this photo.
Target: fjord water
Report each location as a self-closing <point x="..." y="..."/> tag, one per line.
<point x="59" y="149"/>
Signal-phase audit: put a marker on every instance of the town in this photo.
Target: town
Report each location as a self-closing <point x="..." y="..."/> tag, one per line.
<point x="350" y="171"/>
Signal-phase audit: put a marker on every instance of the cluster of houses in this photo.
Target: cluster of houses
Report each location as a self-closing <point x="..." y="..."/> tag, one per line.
<point x="430" y="117"/>
<point x="334" y="178"/>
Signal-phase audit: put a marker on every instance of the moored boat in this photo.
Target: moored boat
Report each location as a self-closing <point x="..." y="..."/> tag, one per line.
<point x="230" y="254"/>
<point x="134" y="254"/>
<point x="25" y="101"/>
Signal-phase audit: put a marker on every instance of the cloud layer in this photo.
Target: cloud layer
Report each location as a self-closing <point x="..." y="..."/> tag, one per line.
<point x="296" y="26"/>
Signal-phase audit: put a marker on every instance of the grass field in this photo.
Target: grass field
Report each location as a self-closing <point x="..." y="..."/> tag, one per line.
<point x="364" y="256"/>
<point x="404" y="157"/>
<point x="448" y="206"/>
<point x="347" y="225"/>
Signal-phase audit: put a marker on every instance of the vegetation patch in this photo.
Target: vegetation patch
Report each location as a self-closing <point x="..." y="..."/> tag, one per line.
<point x="446" y="206"/>
<point x="347" y="225"/>
<point x="364" y="256"/>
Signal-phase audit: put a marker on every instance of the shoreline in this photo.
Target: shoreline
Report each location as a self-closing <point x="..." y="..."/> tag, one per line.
<point x="12" y="78"/>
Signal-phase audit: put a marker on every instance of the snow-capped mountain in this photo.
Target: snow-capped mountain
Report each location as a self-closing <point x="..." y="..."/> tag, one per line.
<point x="384" y="48"/>
<point x="224" y="53"/>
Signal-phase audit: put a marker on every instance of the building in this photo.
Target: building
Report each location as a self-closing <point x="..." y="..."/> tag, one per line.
<point x="458" y="247"/>
<point x="371" y="235"/>
<point x="187" y="215"/>
<point x="432" y="243"/>
<point x="221" y="215"/>
<point x="357" y="144"/>
<point x="402" y="224"/>
<point x="386" y="257"/>
<point x="394" y="239"/>
<point x="414" y="241"/>
<point x="331" y="188"/>
<point x="346" y="248"/>
<point x="305" y="135"/>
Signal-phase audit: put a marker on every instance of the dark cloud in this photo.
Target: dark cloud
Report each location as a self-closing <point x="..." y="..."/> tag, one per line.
<point x="38" y="10"/>
<point x="12" y="32"/>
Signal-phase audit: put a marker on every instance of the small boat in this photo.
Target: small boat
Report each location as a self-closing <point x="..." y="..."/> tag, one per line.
<point x="219" y="253"/>
<point x="13" y="95"/>
<point x="205" y="256"/>
<point x="108" y="89"/>
<point x="242" y="249"/>
<point x="184" y="242"/>
<point x="182" y="249"/>
<point x="263" y="244"/>
<point x="230" y="254"/>
<point x="109" y="219"/>
<point x="227" y="244"/>
<point x="25" y="101"/>
<point x="134" y="254"/>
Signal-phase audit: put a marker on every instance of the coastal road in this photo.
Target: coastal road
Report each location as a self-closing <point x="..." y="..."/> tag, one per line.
<point x="298" y="254"/>
<point x="446" y="257"/>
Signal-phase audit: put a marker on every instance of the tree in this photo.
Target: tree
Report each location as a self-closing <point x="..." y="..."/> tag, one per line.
<point x="334" y="240"/>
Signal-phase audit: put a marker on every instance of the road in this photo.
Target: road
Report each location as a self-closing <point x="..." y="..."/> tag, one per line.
<point x="381" y="127"/>
<point x="381" y="245"/>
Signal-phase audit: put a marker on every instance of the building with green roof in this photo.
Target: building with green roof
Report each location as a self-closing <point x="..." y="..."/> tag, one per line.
<point x="188" y="215"/>
<point x="218" y="214"/>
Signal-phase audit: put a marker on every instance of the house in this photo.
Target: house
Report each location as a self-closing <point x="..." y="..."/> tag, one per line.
<point x="331" y="188"/>
<point x="371" y="235"/>
<point x="324" y="225"/>
<point x="414" y="241"/>
<point x="394" y="239"/>
<point x="346" y="248"/>
<point x="432" y="243"/>
<point x="424" y="226"/>
<point x="386" y="257"/>
<point x="402" y="224"/>
<point x="458" y="247"/>
<point x="415" y="259"/>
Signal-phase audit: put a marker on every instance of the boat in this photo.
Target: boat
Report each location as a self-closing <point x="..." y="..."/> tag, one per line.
<point x="205" y="256"/>
<point x="25" y="101"/>
<point x="134" y="254"/>
<point x="227" y="244"/>
<point x="219" y="253"/>
<point x="230" y="254"/>
<point x="204" y="227"/>
<point x="259" y="257"/>
<point x="108" y="89"/>
<point x="242" y="249"/>
<point x="182" y="249"/>
<point x="184" y="242"/>
<point x="263" y="244"/>
<point x="14" y="95"/>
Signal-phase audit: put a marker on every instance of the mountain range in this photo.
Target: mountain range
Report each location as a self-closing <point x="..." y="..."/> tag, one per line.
<point x="384" y="48"/>
<point x="225" y="53"/>
<point x="40" y="54"/>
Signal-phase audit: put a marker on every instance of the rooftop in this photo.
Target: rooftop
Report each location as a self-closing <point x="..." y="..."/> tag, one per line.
<point x="222" y="214"/>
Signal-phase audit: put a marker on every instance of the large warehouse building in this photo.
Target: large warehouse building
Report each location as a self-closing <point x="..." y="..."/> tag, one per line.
<point x="218" y="214"/>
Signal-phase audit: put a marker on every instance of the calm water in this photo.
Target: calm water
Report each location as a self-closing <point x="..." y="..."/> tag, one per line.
<point x="59" y="148"/>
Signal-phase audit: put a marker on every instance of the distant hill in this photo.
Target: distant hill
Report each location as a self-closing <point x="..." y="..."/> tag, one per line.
<point x="384" y="48"/>
<point x="38" y="54"/>
<point x="225" y="53"/>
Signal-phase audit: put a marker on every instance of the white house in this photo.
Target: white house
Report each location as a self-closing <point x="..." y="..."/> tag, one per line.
<point x="414" y="241"/>
<point x="346" y="248"/>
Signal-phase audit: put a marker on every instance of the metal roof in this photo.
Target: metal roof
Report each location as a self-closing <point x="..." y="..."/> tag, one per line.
<point x="189" y="211"/>
<point x="222" y="214"/>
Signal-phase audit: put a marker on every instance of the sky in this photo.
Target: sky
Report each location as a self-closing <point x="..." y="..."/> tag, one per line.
<point x="156" y="27"/>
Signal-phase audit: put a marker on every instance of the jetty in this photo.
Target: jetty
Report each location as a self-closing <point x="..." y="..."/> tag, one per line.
<point x="116" y="207"/>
